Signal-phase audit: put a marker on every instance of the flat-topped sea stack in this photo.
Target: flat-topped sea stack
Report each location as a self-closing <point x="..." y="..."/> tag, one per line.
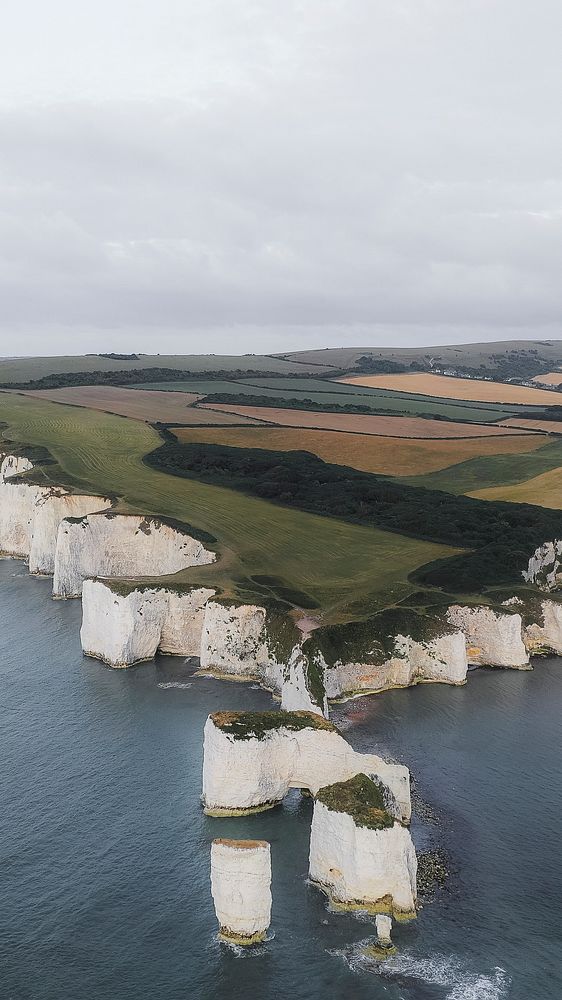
<point x="241" y="889"/>
<point x="252" y="759"/>
<point x="360" y="853"/>
<point x="395" y="648"/>
<point x="493" y="635"/>
<point x="121" y="545"/>
<point x="124" y="622"/>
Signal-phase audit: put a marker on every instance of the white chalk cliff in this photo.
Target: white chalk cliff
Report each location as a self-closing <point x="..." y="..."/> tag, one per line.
<point x="375" y="655"/>
<point x="303" y="688"/>
<point x="241" y="889"/>
<point x="121" y="545"/>
<point x="251" y="760"/>
<point x="359" y="865"/>
<point x="235" y="643"/>
<point x="493" y="637"/>
<point x="542" y="632"/>
<point x="123" y="626"/>
<point x="30" y="515"/>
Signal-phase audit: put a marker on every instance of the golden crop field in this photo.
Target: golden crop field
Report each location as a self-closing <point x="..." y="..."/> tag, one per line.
<point x="366" y="452"/>
<point x="395" y="427"/>
<point x="550" y="378"/>
<point x="449" y="387"/>
<point x="140" y="404"/>
<point x="544" y="491"/>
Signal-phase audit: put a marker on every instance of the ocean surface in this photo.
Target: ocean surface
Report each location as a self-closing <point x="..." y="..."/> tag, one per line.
<point x="104" y="849"/>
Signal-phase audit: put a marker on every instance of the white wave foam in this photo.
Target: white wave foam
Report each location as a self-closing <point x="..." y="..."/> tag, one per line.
<point x="459" y="982"/>
<point x="441" y="970"/>
<point x="174" y="684"/>
<point x="482" y="987"/>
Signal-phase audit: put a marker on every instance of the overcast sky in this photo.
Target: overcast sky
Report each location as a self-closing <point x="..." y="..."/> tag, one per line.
<point x="255" y="175"/>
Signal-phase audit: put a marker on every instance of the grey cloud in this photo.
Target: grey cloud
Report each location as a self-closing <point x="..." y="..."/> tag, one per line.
<point x="282" y="175"/>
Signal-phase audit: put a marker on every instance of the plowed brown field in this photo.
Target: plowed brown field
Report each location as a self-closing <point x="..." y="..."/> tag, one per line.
<point x="140" y="404"/>
<point x="367" y="452"/>
<point x="458" y="388"/>
<point x="400" y="427"/>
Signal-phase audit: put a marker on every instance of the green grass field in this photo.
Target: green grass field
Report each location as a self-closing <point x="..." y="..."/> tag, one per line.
<point x="347" y="570"/>
<point x="493" y="471"/>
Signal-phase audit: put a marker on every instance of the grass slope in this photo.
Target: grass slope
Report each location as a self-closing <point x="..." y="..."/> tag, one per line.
<point x="23" y="369"/>
<point x="347" y="569"/>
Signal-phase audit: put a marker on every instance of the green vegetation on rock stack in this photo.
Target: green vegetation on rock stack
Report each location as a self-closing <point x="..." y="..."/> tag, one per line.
<point x="257" y="725"/>
<point x="361" y="798"/>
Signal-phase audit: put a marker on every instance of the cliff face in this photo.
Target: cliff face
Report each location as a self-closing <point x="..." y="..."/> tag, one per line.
<point x="30" y="515"/>
<point x="120" y="545"/>
<point x="379" y="656"/>
<point x="250" y="642"/>
<point x="493" y="637"/>
<point x="544" y="567"/>
<point x="303" y="686"/>
<point x="363" y="868"/>
<point x="17" y="504"/>
<point x="124" y="628"/>
<point x="233" y="642"/>
<point x="545" y="634"/>
<point x="52" y="506"/>
<point x="256" y="771"/>
<point x="241" y="889"/>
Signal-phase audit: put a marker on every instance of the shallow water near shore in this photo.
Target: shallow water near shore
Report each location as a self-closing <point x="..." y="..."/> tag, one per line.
<point x="104" y="850"/>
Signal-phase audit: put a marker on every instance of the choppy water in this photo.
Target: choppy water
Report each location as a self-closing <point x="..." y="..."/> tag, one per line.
<point x="104" y="851"/>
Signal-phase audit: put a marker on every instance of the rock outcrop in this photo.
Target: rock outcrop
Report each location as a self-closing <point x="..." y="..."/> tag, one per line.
<point x="251" y="760"/>
<point x="303" y="687"/>
<point x="241" y="889"/>
<point x="121" y="545"/>
<point x="360" y="855"/>
<point x="396" y="648"/>
<point x="545" y="566"/>
<point x="125" y="623"/>
<point x="493" y="636"/>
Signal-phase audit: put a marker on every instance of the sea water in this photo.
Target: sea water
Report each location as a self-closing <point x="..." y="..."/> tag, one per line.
<point x="104" y="848"/>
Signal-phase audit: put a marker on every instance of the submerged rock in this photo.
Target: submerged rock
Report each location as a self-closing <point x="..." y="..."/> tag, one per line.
<point x="241" y="889"/>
